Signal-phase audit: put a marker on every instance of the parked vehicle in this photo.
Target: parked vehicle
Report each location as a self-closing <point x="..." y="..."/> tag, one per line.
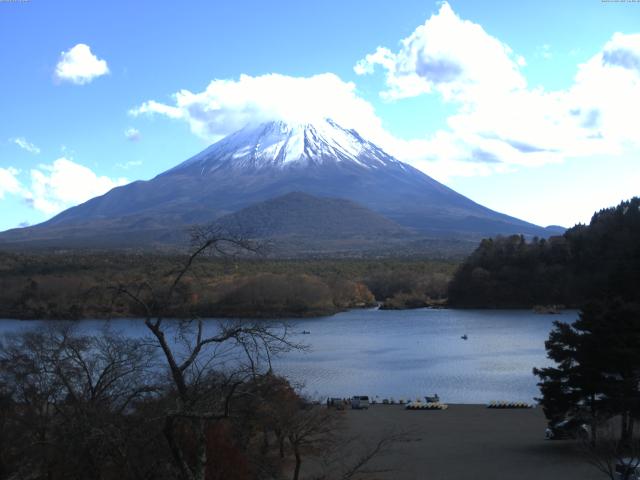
<point x="360" y="402"/>
<point x="569" y="428"/>
<point x="628" y="468"/>
<point x="337" y="403"/>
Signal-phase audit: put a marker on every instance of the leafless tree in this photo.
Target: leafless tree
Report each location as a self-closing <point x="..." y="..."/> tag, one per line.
<point x="309" y="429"/>
<point x="66" y="397"/>
<point x="191" y="349"/>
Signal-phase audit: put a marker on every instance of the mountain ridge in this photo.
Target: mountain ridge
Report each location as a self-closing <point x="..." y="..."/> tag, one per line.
<point x="301" y="214"/>
<point x="265" y="161"/>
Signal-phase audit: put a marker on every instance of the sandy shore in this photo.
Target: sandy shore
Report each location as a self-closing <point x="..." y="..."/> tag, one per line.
<point x="470" y="442"/>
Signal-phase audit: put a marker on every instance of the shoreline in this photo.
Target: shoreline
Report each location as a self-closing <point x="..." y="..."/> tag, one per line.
<point x="294" y="315"/>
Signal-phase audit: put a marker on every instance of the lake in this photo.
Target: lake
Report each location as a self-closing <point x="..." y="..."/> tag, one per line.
<point x="405" y="353"/>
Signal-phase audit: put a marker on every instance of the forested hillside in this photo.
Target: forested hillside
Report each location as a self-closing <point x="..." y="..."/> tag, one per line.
<point x="599" y="260"/>
<point x="80" y="285"/>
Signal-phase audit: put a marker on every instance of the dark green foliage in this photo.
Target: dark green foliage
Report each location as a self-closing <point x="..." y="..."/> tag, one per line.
<point x="597" y="366"/>
<point x="601" y="260"/>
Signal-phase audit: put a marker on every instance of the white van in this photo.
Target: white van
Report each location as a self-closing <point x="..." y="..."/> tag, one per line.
<point x="360" y="402"/>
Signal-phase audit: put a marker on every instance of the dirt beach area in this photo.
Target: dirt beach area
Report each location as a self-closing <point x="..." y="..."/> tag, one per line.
<point x="469" y="442"/>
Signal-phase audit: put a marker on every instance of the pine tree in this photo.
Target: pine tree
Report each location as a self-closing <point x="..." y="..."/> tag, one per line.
<point x="597" y="367"/>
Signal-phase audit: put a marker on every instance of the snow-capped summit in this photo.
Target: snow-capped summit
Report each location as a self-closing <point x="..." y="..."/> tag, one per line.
<point x="281" y="144"/>
<point x="270" y="161"/>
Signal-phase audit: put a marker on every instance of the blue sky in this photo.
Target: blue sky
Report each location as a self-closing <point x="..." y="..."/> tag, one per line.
<point x="530" y="108"/>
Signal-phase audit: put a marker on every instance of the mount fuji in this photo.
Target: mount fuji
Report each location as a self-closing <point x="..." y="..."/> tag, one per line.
<point x="262" y="162"/>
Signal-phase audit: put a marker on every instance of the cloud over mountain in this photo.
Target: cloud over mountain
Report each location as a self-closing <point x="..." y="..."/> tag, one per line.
<point x="228" y="105"/>
<point x="499" y="122"/>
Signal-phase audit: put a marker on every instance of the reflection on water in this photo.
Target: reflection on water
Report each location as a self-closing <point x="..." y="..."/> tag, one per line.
<point x="406" y="354"/>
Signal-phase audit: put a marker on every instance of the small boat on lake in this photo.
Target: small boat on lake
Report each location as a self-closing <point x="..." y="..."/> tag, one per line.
<point x="306" y="332"/>
<point x="464" y="337"/>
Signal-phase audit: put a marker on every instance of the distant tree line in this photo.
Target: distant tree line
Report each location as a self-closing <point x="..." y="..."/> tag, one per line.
<point x="599" y="260"/>
<point x="72" y="285"/>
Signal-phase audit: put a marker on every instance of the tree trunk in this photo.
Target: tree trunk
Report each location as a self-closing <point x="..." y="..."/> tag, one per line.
<point x="265" y="441"/>
<point x="627" y="434"/>
<point x="201" y="449"/>
<point x="185" y="471"/>
<point x="176" y="373"/>
<point x="594" y="422"/>
<point x="296" y="453"/>
<point x="281" y="445"/>
<point x="624" y="429"/>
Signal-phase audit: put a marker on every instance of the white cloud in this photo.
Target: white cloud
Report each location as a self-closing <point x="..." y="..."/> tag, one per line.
<point x="152" y="107"/>
<point x="500" y="121"/>
<point x="79" y="65"/>
<point x="25" y="145"/>
<point x="9" y="182"/>
<point x="228" y="105"/>
<point x="446" y="54"/>
<point x="129" y="164"/>
<point x="65" y="183"/>
<point x="132" y="134"/>
<point x="623" y="51"/>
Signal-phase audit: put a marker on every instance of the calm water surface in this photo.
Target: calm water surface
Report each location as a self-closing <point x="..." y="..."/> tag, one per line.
<point x="405" y="354"/>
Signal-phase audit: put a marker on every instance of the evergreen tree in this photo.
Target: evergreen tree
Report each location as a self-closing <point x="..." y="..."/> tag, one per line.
<point x="597" y="367"/>
<point x="598" y="261"/>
